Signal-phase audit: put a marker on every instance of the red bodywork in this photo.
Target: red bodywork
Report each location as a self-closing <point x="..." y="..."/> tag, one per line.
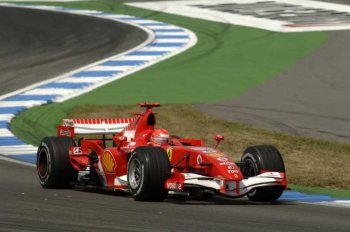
<point x="193" y="164"/>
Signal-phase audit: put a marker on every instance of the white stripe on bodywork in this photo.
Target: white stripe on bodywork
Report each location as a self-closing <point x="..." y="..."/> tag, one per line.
<point x="101" y="173"/>
<point x="102" y="128"/>
<point x="121" y="180"/>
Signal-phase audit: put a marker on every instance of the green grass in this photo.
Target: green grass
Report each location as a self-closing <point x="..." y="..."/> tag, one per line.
<point x="227" y="61"/>
<point x="341" y="193"/>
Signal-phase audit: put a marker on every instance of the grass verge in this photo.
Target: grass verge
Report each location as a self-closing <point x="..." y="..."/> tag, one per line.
<point x="339" y="193"/>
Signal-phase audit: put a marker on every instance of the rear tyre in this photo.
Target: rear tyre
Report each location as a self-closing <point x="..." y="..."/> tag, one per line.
<point x="258" y="158"/>
<point x="148" y="169"/>
<point x="53" y="163"/>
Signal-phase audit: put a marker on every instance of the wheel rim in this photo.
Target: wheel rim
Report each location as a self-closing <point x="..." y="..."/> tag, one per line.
<point x="249" y="171"/>
<point x="43" y="163"/>
<point x="249" y="168"/>
<point x="135" y="173"/>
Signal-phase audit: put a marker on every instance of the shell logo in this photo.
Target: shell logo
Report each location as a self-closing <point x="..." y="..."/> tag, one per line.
<point x="108" y="162"/>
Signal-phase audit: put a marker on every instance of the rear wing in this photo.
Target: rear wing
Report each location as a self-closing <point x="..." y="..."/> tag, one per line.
<point x="71" y="127"/>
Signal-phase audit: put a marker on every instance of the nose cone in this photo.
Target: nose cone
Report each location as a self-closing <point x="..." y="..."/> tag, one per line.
<point x="224" y="166"/>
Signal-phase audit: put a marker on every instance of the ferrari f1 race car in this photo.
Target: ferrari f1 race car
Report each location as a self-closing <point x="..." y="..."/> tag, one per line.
<point x="150" y="164"/>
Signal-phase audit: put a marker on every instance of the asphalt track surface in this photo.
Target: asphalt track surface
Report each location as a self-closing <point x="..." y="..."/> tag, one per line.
<point x="311" y="98"/>
<point x="37" y="45"/>
<point x="25" y="206"/>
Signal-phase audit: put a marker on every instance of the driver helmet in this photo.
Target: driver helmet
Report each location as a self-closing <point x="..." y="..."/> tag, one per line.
<point x="160" y="136"/>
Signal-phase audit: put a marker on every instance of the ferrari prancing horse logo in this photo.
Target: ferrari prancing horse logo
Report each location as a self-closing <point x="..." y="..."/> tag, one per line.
<point x="169" y="152"/>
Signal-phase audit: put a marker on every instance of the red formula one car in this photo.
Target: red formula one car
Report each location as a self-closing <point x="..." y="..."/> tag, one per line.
<point x="149" y="163"/>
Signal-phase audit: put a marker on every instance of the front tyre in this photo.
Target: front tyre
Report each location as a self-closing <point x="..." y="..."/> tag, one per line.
<point x="148" y="169"/>
<point x="257" y="159"/>
<point x="53" y="164"/>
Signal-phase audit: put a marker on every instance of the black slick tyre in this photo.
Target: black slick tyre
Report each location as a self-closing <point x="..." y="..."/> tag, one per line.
<point x="267" y="158"/>
<point x="148" y="169"/>
<point x="53" y="165"/>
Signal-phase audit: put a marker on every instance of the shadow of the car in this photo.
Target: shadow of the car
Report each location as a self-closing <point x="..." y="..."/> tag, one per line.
<point x="206" y="199"/>
<point x="218" y="200"/>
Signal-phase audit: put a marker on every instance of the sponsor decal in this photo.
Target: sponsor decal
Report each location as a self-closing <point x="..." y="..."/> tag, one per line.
<point x="108" y="162"/>
<point x="77" y="150"/>
<point x="65" y="133"/>
<point x="272" y="174"/>
<point x="226" y="163"/>
<point x="169" y="152"/>
<point x="68" y="122"/>
<point x="199" y="159"/>
<point x="206" y="150"/>
<point x="174" y="186"/>
<point x="216" y="155"/>
<point x="232" y="171"/>
<point x="132" y="143"/>
<point x="130" y="146"/>
<point x="223" y="159"/>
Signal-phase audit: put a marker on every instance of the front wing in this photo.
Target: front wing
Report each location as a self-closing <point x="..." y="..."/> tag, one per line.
<point x="227" y="187"/>
<point x="181" y="182"/>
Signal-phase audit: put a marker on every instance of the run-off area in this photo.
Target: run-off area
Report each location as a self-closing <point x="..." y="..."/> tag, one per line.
<point x="276" y="15"/>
